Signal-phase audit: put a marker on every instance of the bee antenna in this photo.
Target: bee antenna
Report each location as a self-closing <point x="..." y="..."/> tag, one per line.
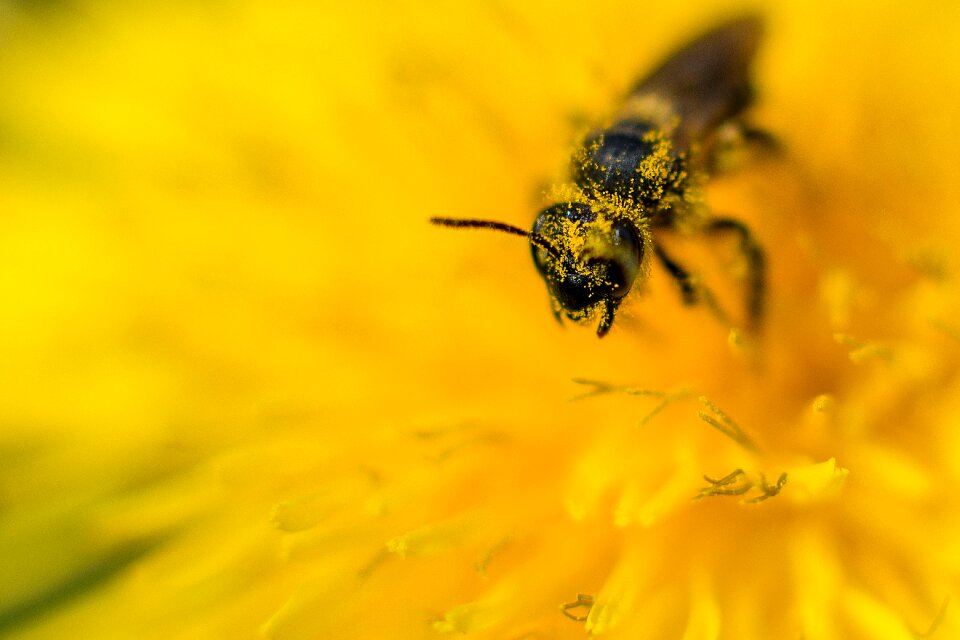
<point x="535" y="239"/>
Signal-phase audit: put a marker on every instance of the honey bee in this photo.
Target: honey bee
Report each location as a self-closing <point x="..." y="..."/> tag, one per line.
<point x="641" y="175"/>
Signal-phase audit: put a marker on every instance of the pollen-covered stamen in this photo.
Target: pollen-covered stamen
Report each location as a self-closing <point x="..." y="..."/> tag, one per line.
<point x="666" y="398"/>
<point x="864" y="350"/>
<point x="737" y="483"/>
<point x="600" y="387"/>
<point x="768" y="490"/>
<point x="726" y="486"/>
<point x="725" y="425"/>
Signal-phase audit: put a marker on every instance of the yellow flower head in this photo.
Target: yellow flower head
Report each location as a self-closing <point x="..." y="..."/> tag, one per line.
<point x="247" y="389"/>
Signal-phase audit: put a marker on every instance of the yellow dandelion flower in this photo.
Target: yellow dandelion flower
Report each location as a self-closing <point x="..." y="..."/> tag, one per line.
<point x="248" y="391"/>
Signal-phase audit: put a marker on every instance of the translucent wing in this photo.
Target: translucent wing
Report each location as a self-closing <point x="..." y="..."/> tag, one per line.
<point x="707" y="81"/>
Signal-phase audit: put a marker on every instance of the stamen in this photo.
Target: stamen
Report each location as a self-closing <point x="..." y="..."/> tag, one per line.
<point x="725" y="425"/>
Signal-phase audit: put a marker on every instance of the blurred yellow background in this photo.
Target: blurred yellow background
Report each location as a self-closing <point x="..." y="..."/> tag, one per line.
<point x="219" y="294"/>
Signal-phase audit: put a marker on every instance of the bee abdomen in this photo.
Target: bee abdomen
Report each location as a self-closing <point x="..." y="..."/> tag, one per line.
<point x="632" y="160"/>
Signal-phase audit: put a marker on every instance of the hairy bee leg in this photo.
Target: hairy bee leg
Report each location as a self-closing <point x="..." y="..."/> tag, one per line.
<point x="687" y="288"/>
<point x="756" y="265"/>
<point x="692" y="292"/>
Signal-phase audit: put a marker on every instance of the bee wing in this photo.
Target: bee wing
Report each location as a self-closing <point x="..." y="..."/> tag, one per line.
<point x="707" y="82"/>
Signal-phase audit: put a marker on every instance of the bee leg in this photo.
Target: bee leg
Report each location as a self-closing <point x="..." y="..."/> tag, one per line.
<point x="557" y="310"/>
<point x="609" y="311"/>
<point x="735" y="142"/>
<point x="756" y="265"/>
<point x="692" y="291"/>
<point x="687" y="288"/>
<point x="761" y="139"/>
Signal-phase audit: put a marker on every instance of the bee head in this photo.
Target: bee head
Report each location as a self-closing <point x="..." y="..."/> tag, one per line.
<point x="589" y="262"/>
<point x="594" y="262"/>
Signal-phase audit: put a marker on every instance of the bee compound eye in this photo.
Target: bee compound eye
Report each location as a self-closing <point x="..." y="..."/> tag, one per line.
<point x="618" y="281"/>
<point x="625" y="257"/>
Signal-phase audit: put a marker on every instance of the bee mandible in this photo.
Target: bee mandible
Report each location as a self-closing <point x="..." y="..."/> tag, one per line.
<point x="640" y="175"/>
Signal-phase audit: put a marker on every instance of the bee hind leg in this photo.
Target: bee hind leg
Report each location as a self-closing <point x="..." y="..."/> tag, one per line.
<point x="762" y="139"/>
<point x="735" y="143"/>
